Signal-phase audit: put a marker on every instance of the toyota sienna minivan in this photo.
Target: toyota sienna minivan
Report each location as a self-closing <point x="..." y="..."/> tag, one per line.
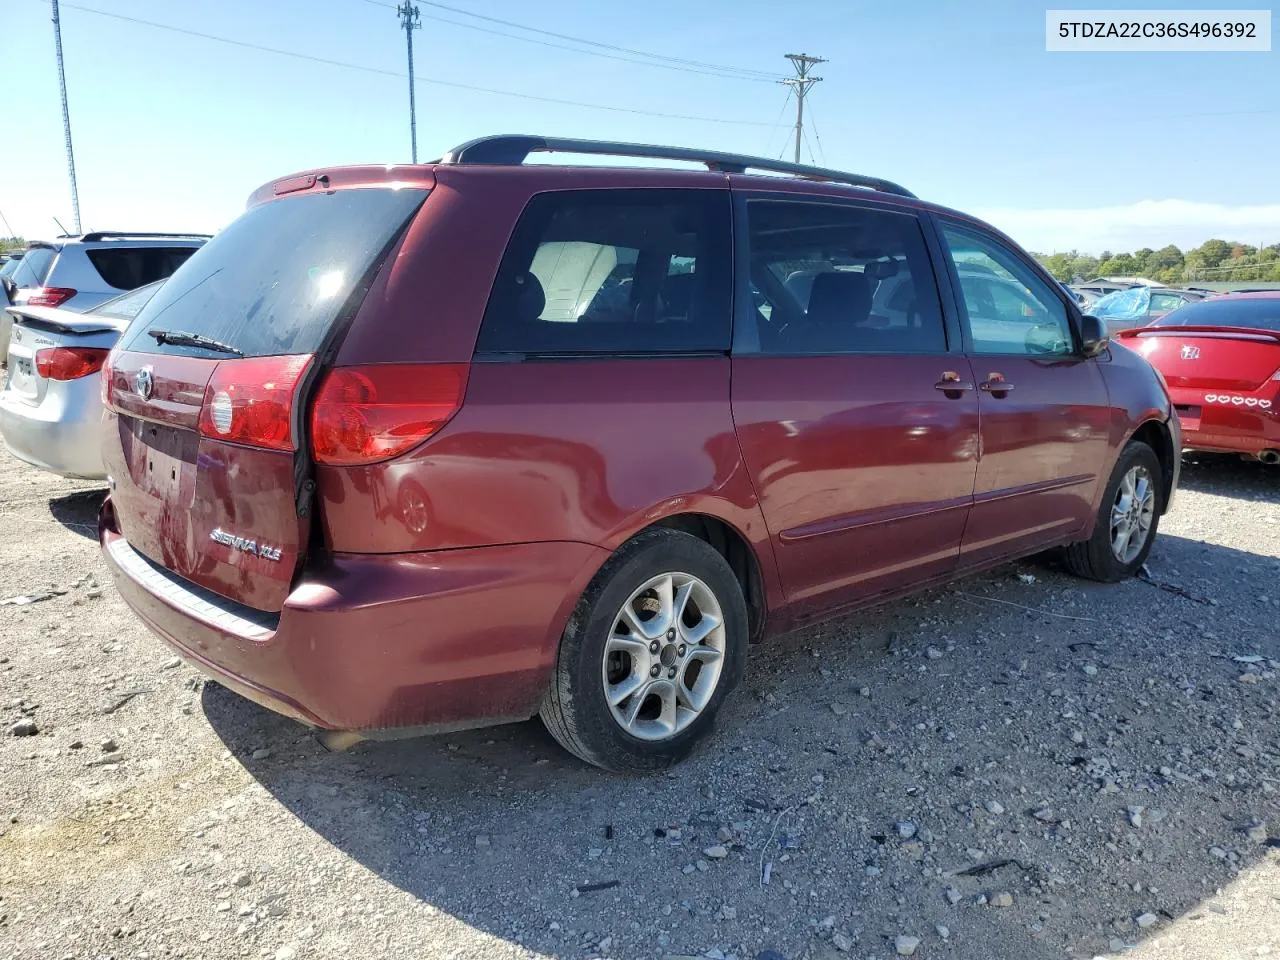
<point x="409" y="449"/>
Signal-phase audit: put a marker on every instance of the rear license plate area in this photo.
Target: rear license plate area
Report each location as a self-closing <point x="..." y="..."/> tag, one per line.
<point x="162" y="459"/>
<point x="22" y="376"/>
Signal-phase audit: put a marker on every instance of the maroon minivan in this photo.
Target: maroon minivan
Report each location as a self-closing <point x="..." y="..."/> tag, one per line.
<point x="408" y="449"/>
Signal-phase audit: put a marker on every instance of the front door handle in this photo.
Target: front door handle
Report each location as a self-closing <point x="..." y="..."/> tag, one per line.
<point x="952" y="385"/>
<point x="996" y="385"/>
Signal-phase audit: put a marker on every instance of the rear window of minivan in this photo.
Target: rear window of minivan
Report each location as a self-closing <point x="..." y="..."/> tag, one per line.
<point x="275" y="281"/>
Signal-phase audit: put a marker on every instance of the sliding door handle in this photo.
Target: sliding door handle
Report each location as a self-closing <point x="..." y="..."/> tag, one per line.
<point x="996" y="385"/>
<point x="952" y="385"/>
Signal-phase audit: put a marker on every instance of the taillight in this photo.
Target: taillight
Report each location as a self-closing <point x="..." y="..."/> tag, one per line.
<point x="108" y="374"/>
<point x="370" y="413"/>
<point x="250" y="401"/>
<point x="50" y="296"/>
<point x="69" y="363"/>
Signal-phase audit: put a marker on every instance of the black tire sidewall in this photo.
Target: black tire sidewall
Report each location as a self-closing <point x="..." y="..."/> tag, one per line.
<point x="583" y="654"/>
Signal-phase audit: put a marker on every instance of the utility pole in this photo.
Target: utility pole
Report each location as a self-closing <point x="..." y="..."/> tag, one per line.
<point x="66" y="117"/>
<point x="801" y="83"/>
<point x="409" y="20"/>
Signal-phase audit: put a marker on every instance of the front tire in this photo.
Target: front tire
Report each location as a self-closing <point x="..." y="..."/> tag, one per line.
<point x="653" y="648"/>
<point x="1127" y="519"/>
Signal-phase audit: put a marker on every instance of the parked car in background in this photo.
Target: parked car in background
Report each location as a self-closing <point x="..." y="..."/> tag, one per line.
<point x="649" y="416"/>
<point x="76" y="273"/>
<point x="1221" y="360"/>
<point x="1140" y="305"/>
<point x="1100" y="287"/>
<point x="1076" y="295"/>
<point x="51" y="406"/>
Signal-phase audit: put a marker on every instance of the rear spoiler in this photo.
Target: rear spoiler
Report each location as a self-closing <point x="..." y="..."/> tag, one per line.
<point x="1221" y="333"/>
<point x="55" y="320"/>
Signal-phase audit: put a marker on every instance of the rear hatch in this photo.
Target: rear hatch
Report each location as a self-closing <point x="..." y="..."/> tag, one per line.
<point x="1234" y="359"/>
<point x="208" y="452"/>
<point x="51" y="344"/>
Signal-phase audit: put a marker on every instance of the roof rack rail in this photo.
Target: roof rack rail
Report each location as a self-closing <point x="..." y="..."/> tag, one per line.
<point x="514" y="149"/>
<point x="130" y="234"/>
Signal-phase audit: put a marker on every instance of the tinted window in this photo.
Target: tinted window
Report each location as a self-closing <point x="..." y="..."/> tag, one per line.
<point x="621" y="271"/>
<point x="127" y="268"/>
<point x="276" y="279"/>
<point x="127" y="306"/>
<point x="1262" y="313"/>
<point x="840" y="279"/>
<point x="1009" y="309"/>
<point x="34" y="267"/>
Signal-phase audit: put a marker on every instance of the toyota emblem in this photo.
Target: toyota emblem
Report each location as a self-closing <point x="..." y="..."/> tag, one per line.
<point x="143" y="383"/>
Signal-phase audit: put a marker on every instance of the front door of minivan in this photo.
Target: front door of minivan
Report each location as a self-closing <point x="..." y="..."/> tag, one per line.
<point x="858" y="424"/>
<point x="1046" y="418"/>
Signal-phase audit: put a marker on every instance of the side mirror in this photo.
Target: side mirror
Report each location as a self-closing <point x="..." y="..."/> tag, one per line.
<point x="1093" y="335"/>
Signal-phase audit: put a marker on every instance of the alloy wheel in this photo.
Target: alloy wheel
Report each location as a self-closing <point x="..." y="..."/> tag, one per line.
<point x="1132" y="513"/>
<point x="664" y="656"/>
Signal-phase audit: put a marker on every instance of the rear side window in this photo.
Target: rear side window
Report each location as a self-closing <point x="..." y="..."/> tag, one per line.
<point x="837" y="279"/>
<point x="127" y="268"/>
<point x="614" y="271"/>
<point x="34" y="267"/>
<point x="276" y="280"/>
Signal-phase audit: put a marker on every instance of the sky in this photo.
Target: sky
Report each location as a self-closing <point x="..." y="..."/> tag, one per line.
<point x="959" y="102"/>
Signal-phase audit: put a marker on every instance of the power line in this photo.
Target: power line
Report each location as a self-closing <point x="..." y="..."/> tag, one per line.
<point x="742" y="71"/>
<point x="812" y="158"/>
<point x="768" y="144"/>
<point x="589" y="53"/>
<point x="393" y="73"/>
<point x="822" y="153"/>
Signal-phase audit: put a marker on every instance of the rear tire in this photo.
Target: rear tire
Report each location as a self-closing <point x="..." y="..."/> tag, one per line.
<point x="655" y="645"/>
<point x="1128" y="518"/>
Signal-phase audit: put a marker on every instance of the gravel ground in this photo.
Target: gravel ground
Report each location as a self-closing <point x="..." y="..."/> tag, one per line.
<point x="954" y="775"/>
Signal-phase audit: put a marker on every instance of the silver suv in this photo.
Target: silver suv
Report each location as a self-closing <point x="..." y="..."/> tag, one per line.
<point x="77" y="273"/>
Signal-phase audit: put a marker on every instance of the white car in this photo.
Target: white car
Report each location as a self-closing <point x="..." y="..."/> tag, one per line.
<point x="51" y="408"/>
<point x="77" y="273"/>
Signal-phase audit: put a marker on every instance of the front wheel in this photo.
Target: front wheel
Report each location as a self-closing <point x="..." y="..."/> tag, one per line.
<point x="1127" y="519"/>
<point x="654" y="646"/>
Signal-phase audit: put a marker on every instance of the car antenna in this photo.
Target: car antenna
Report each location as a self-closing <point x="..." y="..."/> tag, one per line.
<point x="61" y="227"/>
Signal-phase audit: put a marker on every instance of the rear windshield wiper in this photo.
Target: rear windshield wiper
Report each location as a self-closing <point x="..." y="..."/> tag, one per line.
<point x="180" y="338"/>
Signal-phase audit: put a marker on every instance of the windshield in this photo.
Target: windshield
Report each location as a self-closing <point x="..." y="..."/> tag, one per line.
<point x="275" y="280"/>
<point x="1262" y="313"/>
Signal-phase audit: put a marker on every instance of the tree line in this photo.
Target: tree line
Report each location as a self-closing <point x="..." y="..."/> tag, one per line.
<point x="1211" y="261"/>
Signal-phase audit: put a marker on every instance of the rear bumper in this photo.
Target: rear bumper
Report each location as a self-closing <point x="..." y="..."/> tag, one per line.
<point x="62" y="434"/>
<point x="1215" y="422"/>
<point x="381" y="645"/>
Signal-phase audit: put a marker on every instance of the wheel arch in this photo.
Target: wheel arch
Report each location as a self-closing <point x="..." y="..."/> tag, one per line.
<point x="732" y="544"/>
<point x="1156" y="435"/>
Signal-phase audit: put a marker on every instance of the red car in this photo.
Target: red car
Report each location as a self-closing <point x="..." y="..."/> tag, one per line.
<point x="416" y="448"/>
<point x="1221" y="360"/>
